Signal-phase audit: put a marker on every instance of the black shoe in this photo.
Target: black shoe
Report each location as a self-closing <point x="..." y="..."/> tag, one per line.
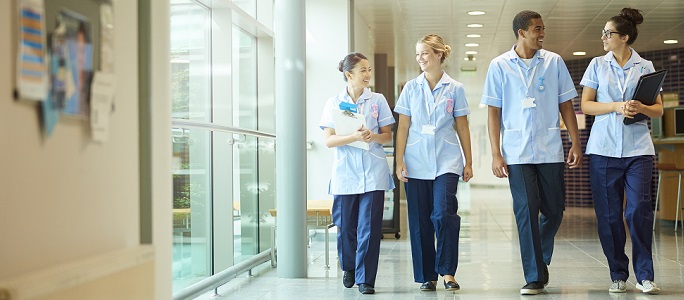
<point x="546" y="275"/>
<point x="365" y="288"/>
<point x="348" y="279"/>
<point x="428" y="286"/>
<point x="451" y="286"/>
<point x="532" y="288"/>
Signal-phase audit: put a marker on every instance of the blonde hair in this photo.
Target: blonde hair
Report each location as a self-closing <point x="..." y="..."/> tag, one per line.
<point x="437" y="44"/>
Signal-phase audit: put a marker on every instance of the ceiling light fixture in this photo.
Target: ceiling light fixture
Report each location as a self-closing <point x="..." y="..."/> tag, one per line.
<point x="579" y="53"/>
<point x="474" y="35"/>
<point x="476" y="13"/>
<point x="474" y="25"/>
<point x="670" y="42"/>
<point x="471" y="52"/>
<point x="472" y="44"/>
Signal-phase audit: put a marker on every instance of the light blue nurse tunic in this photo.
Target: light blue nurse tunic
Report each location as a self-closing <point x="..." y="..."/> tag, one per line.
<point x="428" y="156"/>
<point x="609" y="136"/>
<point x="355" y="170"/>
<point x="530" y="135"/>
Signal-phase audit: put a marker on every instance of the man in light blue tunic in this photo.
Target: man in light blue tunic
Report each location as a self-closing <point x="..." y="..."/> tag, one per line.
<point x="526" y="89"/>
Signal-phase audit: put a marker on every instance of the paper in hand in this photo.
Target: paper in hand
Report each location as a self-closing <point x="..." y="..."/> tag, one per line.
<point x="346" y="123"/>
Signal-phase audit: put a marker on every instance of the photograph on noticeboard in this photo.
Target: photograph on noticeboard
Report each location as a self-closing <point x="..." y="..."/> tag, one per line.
<point x="72" y="50"/>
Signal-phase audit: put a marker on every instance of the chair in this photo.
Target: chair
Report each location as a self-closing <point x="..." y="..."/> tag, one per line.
<point x="318" y="216"/>
<point x="669" y="168"/>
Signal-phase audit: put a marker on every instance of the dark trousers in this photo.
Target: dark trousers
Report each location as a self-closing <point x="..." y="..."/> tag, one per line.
<point x="359" y="221"/>
<point x="537" y="188"/>
<point x="432" y="209"/>
<point x="613" y="180"/>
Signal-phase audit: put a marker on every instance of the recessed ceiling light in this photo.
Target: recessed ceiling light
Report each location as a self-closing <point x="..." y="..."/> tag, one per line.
<point x="469" y="59"/>
<point x="472" y="44"/>
<point x="579" y="53"/>
<point x="476" y="13"/>
<point x="474" y="25"/>
<point x="471" y="52"/>
<point x="669" y="42"/>
<point x="474" y="35"/>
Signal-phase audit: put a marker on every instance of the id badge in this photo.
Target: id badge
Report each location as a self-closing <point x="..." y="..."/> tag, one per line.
<point x="528" y="102"/>
<point x="428" y="129"/>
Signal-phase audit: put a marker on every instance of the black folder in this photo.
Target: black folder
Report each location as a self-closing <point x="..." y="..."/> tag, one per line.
<point x="647" y="91"/>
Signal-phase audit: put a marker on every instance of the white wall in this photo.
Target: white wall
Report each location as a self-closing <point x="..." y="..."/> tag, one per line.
<point x="326" y="44"/>
<point x="364" y="41"/>
<point x="65" y="197"/>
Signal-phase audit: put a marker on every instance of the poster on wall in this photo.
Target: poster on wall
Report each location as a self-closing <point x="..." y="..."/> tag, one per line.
<point x="32" y="78"/>
<point x="107" y="37"/>
<point x="77" y="53"/>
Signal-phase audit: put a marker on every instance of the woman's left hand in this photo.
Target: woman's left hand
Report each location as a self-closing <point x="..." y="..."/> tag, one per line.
<point x="367" y="135"/>
<point x="631" y="108"/>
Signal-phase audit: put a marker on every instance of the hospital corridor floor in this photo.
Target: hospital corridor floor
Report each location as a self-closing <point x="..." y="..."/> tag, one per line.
<point x="489" y="261"/>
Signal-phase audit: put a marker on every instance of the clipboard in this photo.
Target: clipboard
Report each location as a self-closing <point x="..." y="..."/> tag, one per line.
<point x="646" y="92"/>
<point x="346" y="123"/>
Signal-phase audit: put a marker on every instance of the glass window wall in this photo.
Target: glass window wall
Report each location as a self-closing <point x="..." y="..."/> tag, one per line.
<point x="222" y="177"/>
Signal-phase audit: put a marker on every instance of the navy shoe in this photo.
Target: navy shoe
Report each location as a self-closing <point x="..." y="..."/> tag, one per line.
<point x="365" y="288"/>
<point x="348" y="279"/>
<point x="451" y="286"/>
<point x="532" y="288"/>
<point x="546" y="275"/>
<point x="428" y="286"/>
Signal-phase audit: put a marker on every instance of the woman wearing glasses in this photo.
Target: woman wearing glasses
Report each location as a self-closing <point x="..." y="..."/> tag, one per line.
<point x="430" y="161"/>
<point x="360" y="176"/>
<point x="621" y="159"/>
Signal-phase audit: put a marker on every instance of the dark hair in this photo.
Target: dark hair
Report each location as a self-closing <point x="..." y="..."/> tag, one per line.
<point x="523" y="20"/>
<point x="626" y="23"/>
<point x="437" y="44"/>
<point x="349" y="62"/>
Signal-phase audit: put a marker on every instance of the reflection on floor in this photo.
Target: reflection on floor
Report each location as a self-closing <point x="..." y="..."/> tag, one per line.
<point x="489" y="262"/>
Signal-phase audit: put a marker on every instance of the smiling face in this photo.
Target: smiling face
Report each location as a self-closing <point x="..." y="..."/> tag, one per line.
<point x="360" y="76"/>
<point x="427" y="59"/>
<point x="533" y="36"/>
<point x="616" y="41"/>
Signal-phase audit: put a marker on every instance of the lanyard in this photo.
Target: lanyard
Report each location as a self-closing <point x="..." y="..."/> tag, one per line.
<point x="437" y="99"/>
<point x="529" y="81"/>
<point x="624" y="88"/>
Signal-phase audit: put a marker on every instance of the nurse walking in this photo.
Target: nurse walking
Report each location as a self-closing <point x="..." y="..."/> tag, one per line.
<point x="430" y="161"/>
<point x="621" y="156"/>
<point x="359" y="177"/>
<point x="526" y="89"/>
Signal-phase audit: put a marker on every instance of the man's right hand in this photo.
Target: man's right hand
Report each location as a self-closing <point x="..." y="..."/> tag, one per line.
<point x="499" y="167"/>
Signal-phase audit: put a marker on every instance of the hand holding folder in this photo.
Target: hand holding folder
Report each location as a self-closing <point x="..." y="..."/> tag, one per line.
<point x="347" y="123"/>
<point x="647" y="92"/>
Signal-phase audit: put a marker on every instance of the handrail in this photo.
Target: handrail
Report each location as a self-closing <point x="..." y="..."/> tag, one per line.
<point x="221" y="128"/>
<point x="221" y="278"/>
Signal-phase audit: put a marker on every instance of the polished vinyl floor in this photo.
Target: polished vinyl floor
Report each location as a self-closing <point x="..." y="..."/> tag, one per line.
<point x="489" y="261"/>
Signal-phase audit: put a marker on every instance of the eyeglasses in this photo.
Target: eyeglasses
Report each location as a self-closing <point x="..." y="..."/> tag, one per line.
<point x="608" y="33"/>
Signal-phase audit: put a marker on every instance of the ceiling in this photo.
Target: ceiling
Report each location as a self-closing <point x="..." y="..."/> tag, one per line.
<point x="571" y="25"/>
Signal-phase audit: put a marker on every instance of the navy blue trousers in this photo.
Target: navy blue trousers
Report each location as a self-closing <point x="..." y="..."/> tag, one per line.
<point x="359" y="221"/>
<point x="432" y="209"/>
<point x="613" y="180"/>
<point x="538" y="192"/>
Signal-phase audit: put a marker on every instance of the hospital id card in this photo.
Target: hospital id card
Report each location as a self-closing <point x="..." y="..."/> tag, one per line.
<point x="428" y="129"/>
<point x="528" y="102"/>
